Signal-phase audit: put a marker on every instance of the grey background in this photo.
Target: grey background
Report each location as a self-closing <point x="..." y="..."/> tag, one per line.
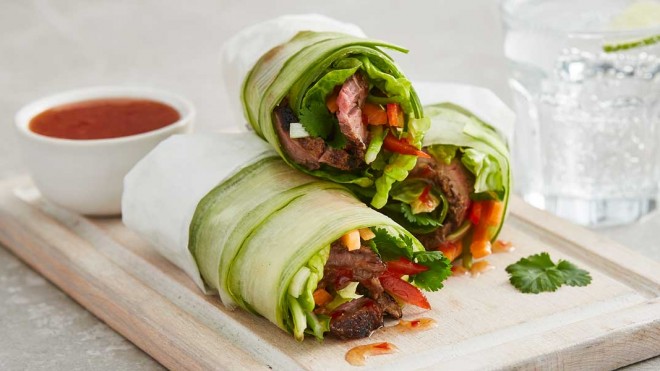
<point x="50" y="46"/>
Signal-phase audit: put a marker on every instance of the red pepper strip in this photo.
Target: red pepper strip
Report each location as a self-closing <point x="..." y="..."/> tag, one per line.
<point x="492" y="213"/>
<point x="404" y="291"/>
<point x="451" y="250"/>
<point x="404" y="266"/>
<point x="475" y="212"/>
<point x="393" y="144"/>
<point x="393" y="116"/>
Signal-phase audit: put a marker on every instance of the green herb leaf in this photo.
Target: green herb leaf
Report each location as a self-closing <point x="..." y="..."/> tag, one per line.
<point x="439" y="269"/>
<point x="317" y="120"/>
<point x="391" y="247"/>
<point x="421" y="219"/>
<point x="573" y="276"/>
<point x="338" y="140"/>
<point x="538" y="273"/>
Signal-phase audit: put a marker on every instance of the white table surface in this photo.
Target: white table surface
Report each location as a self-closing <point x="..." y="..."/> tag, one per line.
<point x="50" y="46"/>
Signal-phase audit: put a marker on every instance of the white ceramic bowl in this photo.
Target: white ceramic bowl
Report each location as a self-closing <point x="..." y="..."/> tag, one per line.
<point x="86" y="176"/>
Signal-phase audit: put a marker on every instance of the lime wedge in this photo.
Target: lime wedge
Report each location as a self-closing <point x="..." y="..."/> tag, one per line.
<point x="639" y="14"/>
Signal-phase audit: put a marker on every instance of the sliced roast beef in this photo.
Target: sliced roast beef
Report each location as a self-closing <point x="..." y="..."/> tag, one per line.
<point x="456" y="184"/>
<point x="312" y="152"/>
<point x="350" y="99"/>
<point x="374" y="290"/>
<point x="340" y="159"/>
<point x="304" y="151"/>
<point x="344" y="266"/>
<point x="356" y="319"/>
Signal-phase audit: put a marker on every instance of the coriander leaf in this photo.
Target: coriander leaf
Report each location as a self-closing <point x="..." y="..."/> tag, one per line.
<point x="338" y="139"/>
<point x="439" y="269"/>
<point x="423" y="257"/>
<point x="316" y="119"/>
<point x="421" y="219"/>
<point x="538" y="273"/>
<point x="573" y="276"/>
<point x="535" y="274"/>
<point x="391" y="247"/>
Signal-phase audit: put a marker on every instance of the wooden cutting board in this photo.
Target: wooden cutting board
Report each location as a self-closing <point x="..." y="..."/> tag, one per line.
<point x="482" y="322"/>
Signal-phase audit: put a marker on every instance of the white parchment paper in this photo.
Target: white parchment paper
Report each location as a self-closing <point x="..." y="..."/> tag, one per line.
<point x="162" y="191"/>
<point x="480" y="101"/>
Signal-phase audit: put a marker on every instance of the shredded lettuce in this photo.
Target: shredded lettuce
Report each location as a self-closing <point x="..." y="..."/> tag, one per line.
<point x="306" y="298"/>
<point x="317" y="325"/>
<point x="443" y="152"/>
<point x="398" y="89"/>
<point x="299" y="319"/>
<point x="344" y="295"/>
<point x="377" y="137"/>
<point x="399" y="165"/>
<point x="301" y="297"/>
<point x="319" y="122"/>
<point x="486" y="169"/>
<point x="298" y="282"/>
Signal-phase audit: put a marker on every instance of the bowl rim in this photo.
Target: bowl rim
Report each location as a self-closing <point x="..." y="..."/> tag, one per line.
<point x="26" y="113"/>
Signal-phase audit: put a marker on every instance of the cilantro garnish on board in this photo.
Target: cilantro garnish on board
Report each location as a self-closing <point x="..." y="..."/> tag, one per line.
<point x="538" y="273"/>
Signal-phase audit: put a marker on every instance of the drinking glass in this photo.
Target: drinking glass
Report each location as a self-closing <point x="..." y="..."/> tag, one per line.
<point x="585" y="77"/>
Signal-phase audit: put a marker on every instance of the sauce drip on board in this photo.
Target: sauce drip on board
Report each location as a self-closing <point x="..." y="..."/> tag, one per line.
<point x="501" y="246"/>
<point x="357" y="356"/>
<point x="420" y="324"/>
<point x="481" y="266"/>
<point x="104" y="118"/>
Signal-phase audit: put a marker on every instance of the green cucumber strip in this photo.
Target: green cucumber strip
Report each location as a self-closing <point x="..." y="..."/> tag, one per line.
<point x="306" y="299"/>
<point x="299" y="319"/>
<point x="299" y="282"/>
<point x="276" y="252"/>
<point x="376" y="143"/>
<point x="317" y="326"/>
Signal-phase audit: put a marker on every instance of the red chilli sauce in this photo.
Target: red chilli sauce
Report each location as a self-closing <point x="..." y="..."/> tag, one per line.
<point x="104" y="118"/>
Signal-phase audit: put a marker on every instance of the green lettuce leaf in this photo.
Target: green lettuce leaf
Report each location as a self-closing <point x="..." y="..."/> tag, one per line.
<point x="486" y="169"/>
<point x="313" y="113"/>
<point x="396" y="170"/>
<point x="443" y="153"/>
<point x="377" y="134"/>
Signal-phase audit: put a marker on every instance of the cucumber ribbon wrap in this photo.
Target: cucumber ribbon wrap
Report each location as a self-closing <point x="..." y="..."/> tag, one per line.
<point x="303" y="72"/>
<point x="243" y="224"/>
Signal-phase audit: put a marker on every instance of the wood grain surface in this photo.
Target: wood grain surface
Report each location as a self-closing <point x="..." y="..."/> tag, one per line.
<point x="483" y="323"/>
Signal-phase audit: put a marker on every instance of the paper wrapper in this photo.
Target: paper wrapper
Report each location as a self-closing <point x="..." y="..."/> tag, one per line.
<point x="480" y="101"/>
<point x="161" y="206"/>
<point x="241" y="52"/>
